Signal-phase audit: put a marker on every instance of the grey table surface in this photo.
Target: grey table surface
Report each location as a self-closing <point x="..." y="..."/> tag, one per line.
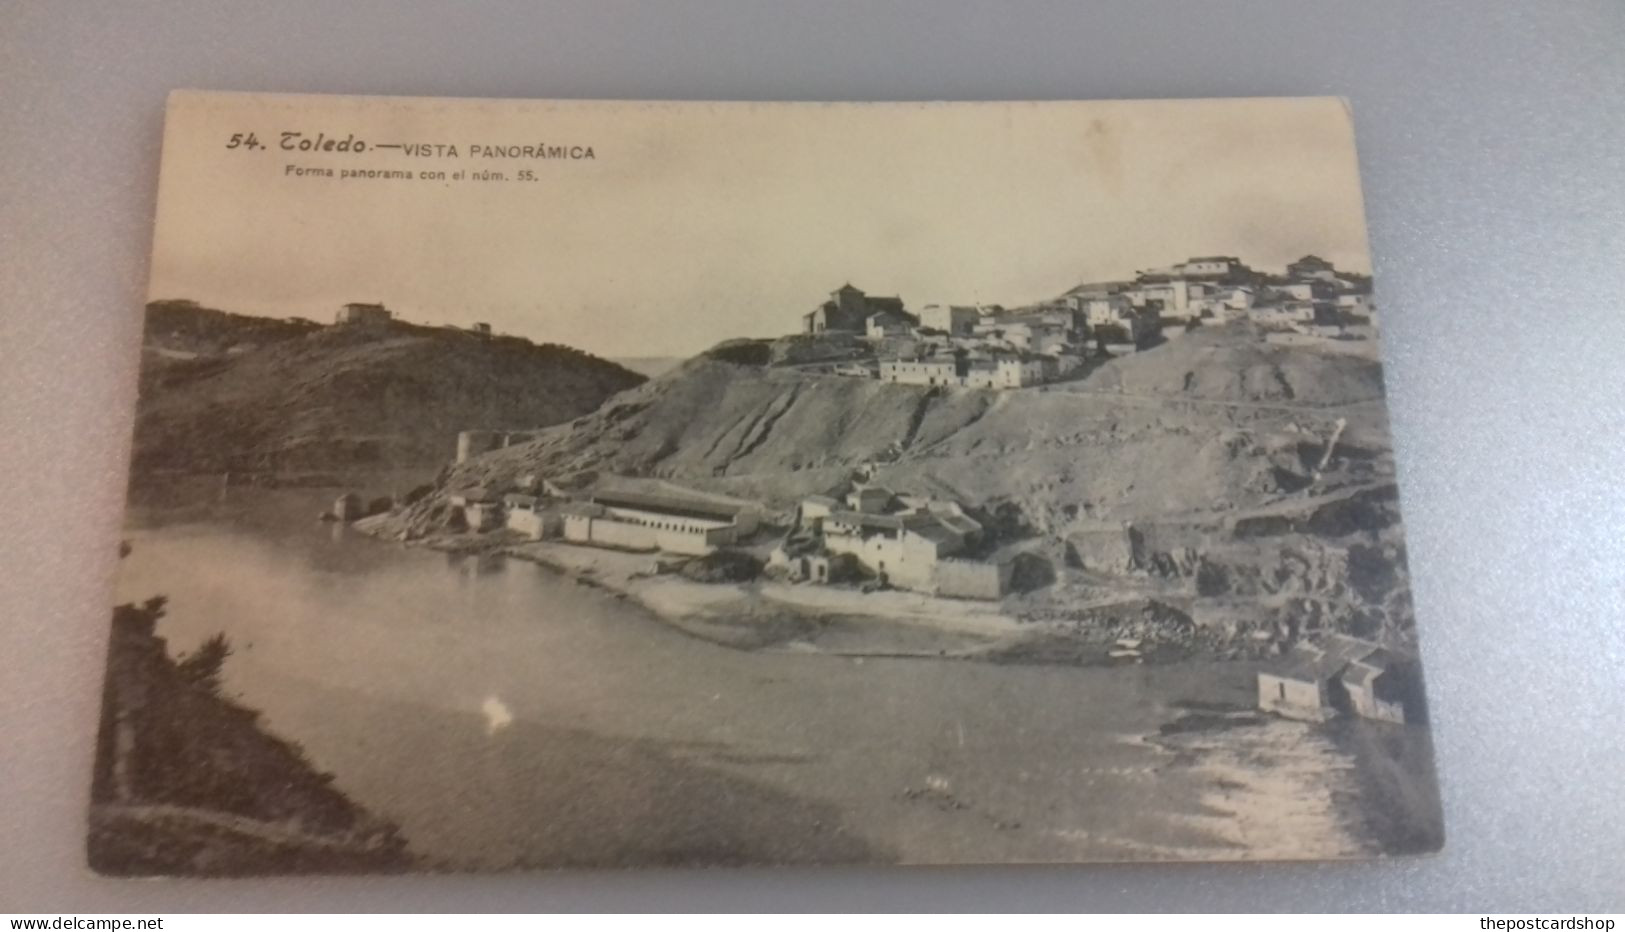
<point x="1492" y="147"/>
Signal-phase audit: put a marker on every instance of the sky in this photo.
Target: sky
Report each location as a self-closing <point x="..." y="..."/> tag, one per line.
<point x="698" y="222"/>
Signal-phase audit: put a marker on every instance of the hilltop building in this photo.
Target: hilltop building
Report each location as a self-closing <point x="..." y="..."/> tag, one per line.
<point x="923" y="370"/>
<point x="368" y="316"/>
<point x="982" y="346"/>
<point x="1007" y="370"/>
<point x="1200" y="268"/>
<point x="1356" y="304"/>
<point x="887" y="324"/>
<point x="1311" y="267"/>
<point x="1113" y="313"/>
<point x="849" y="309"/>
<point x="956" y="320"/>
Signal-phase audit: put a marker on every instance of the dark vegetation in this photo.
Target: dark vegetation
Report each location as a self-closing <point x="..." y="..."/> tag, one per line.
<point x="187" y="781"/>
<point x="742" y="352"/>
<point x="252" y="396"/>
<point x="722" y="566"/>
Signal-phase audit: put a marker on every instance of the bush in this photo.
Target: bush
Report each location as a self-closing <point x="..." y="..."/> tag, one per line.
<point x="722" y="566"/>
<point x="742" y="352"/>
<point x="202" y="667"/>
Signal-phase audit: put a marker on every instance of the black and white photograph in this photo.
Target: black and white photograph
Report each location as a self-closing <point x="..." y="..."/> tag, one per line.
<point x="579" y="484"/>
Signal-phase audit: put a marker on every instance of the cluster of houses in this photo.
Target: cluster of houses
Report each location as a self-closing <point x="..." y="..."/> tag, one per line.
<point x="899" y="540"/>
<point x="986" y="346"/>
<point x="1313" y="297"/>
<point x="906" y="541"/>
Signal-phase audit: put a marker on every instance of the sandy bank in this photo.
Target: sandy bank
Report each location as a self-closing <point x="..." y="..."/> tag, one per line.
<point x="766" y="614"/>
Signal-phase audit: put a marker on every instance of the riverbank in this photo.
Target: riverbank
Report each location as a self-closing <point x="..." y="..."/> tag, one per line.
<point x="774" y="615"/>
<point x="505" y="714"/>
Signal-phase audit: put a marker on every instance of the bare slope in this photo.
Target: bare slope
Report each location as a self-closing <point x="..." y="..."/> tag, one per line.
<point x="1211" y="446"/>
<point x="1233" y="363"/>
<point x="1112" y="444"/>
<point x="298" y="397"/>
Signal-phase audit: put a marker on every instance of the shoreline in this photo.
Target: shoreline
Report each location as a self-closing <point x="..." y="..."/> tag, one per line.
<point x="1224" y="806"/>
<point x="766" y="615"/>
<point x="752" y="617"/>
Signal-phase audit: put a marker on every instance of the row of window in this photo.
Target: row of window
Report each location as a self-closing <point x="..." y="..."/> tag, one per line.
<point x="669" y="526"/>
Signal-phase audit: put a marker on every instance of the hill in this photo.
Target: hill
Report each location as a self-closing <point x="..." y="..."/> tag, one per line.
<point x="650" y="366"/>
<point x="226" y="392"/>
<point x="1233" y="363"/>
<point x="1245" y="483"/>
<point x="185" y="329"/>
<point x="1116" y="443"/>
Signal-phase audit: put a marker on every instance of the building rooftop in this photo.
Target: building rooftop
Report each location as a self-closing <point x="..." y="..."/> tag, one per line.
<point x="1101" y="288"/>
<point x="888" y="316"/>
<point x="932" y="527"/>
<point x="1362" y="674"/>
<point x="962" y="524"/>
<point x="939" y="360"/>
<point x="867" y="519"/>
<point x="670" y="505"/>
<point x="1312" y="663"/>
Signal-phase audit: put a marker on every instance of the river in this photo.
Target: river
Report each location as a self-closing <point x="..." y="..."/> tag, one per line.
<point x="505" y="716"/>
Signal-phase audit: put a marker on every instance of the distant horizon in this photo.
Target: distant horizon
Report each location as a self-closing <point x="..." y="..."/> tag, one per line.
<point x="698" y="222"/>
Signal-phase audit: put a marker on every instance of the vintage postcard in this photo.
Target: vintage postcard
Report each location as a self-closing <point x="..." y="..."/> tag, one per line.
<point x="535" y="484"/>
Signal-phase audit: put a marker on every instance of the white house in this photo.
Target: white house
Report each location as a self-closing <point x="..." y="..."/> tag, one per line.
<point x="1314" y="682"/>
<point x="915" y="550"/>
<point x="1355" y="303"/>
<point x="1283" y="313"/>
<point x="367" y="316"/>
<point x="523" y="514"/>
<point x="927" y="370"/>
<point x="1114" y="312"/>
<point x="953" y="319"/>
<point x="1209" y="267"/>
<point x="1006" y="370"/>
<point x="887" y="324"/>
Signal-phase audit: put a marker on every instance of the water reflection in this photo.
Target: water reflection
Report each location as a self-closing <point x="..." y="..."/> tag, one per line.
<point x="497" y="716"/>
